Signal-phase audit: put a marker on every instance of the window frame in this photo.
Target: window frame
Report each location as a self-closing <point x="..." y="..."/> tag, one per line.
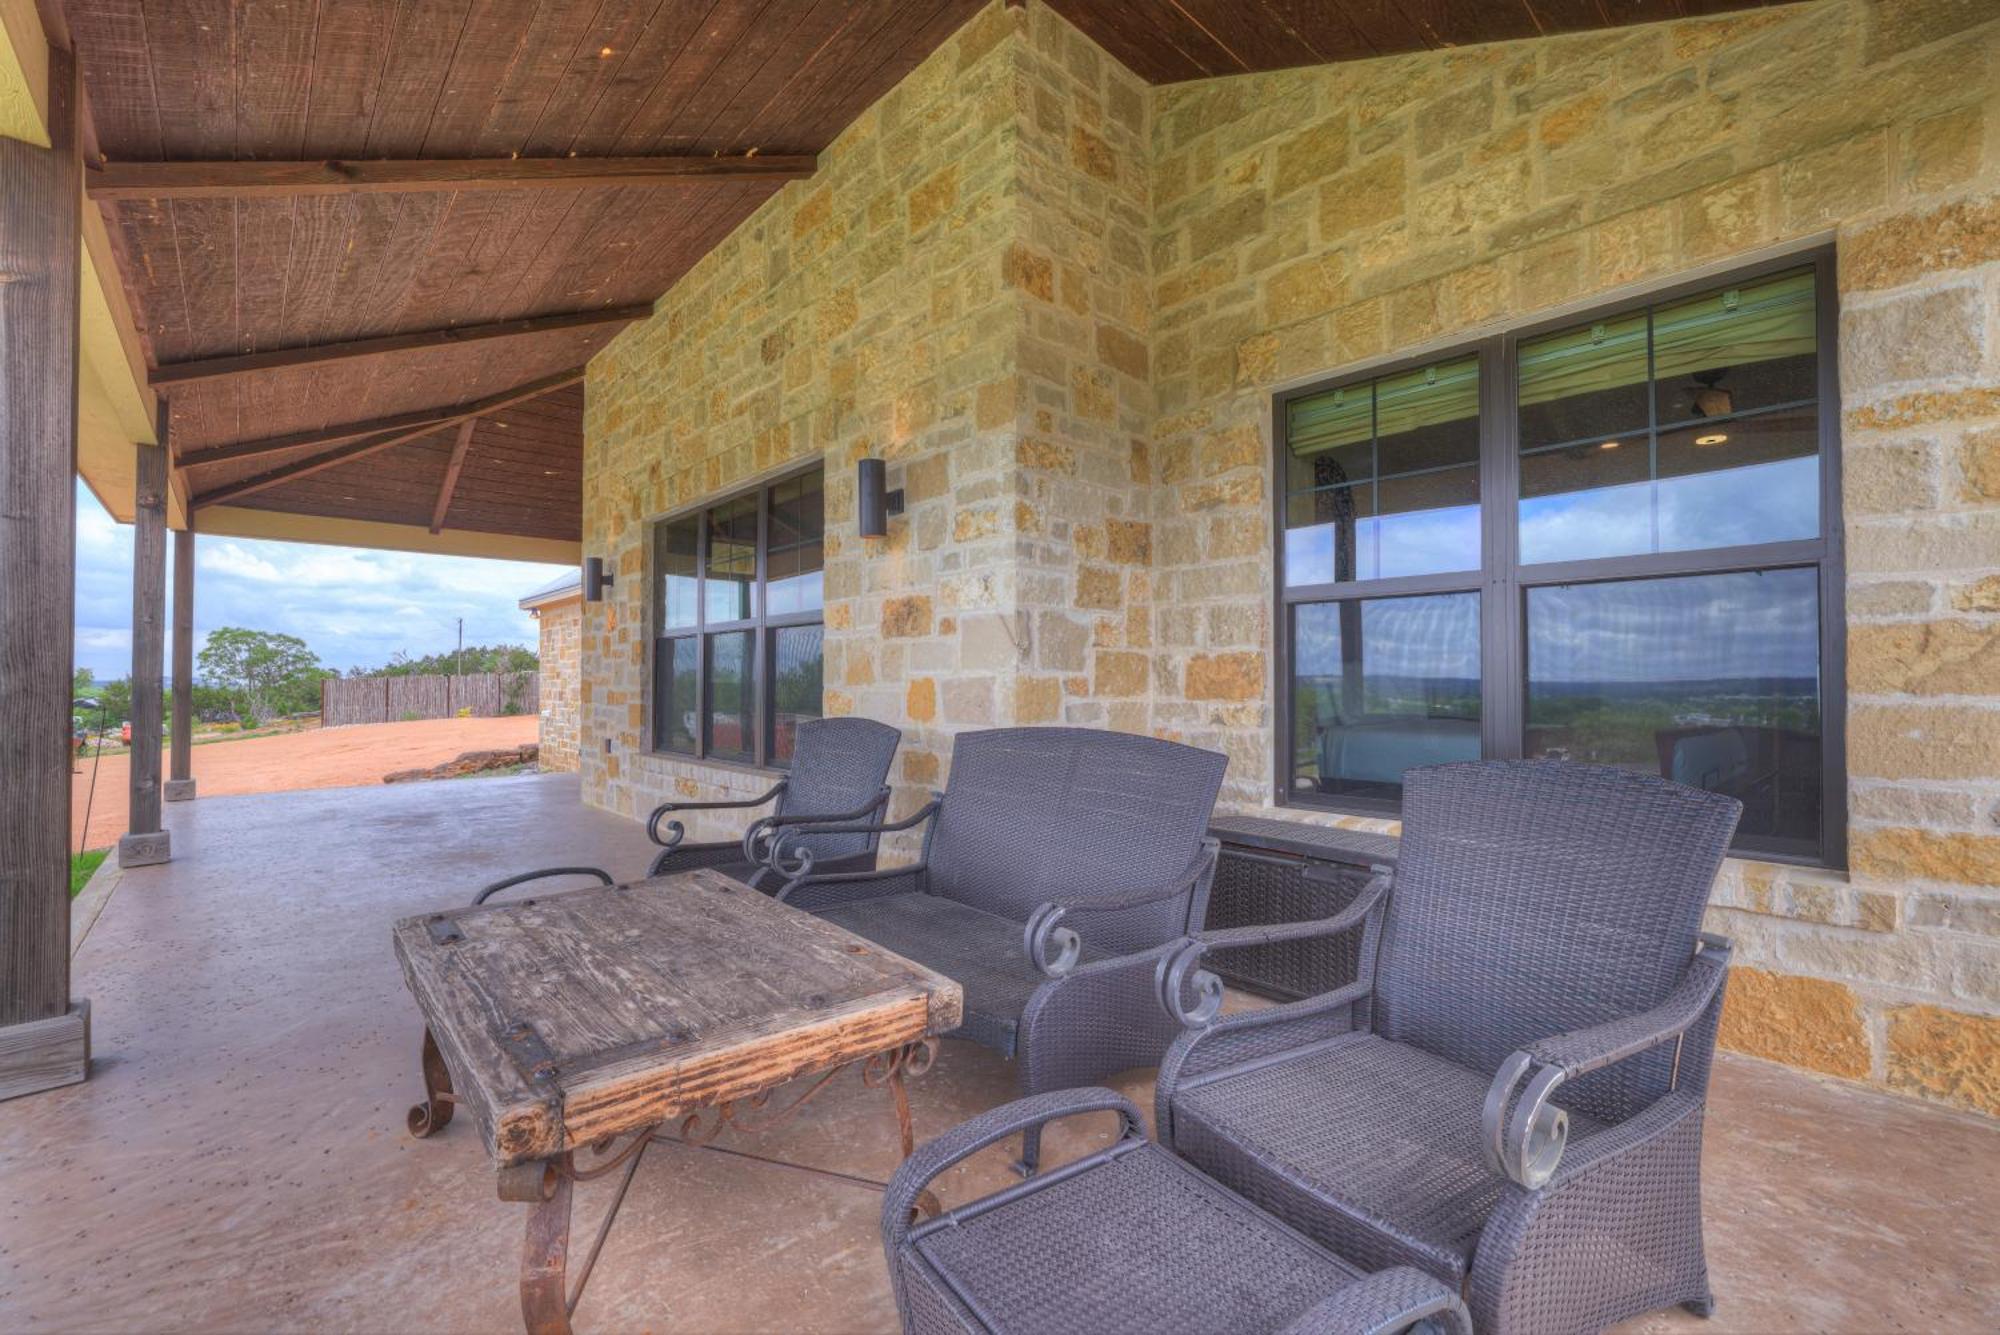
<point x="762" y="626"/>
<point x="1503" y="582"/>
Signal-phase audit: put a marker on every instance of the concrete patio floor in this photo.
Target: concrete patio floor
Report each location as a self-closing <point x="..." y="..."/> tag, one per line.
<point x="237" y="1162"/>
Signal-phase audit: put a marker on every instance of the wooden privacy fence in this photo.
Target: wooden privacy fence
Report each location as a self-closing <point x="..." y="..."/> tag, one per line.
<point x="347" y="700"/>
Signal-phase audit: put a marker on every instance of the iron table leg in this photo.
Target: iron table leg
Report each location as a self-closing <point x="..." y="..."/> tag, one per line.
<point x="546" y="1186"/>
<point x="430" y="1116"/>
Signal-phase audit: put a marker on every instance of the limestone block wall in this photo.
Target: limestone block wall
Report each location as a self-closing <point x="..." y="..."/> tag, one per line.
<point x="561" y="627"/>
<point x="1058" y="302"/>
<point x="962" y="290"/>
<point x="1310" y="220"/>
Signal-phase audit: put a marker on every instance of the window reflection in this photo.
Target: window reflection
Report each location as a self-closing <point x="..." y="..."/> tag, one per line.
<point x="731" y="694"/>
<point x="796" y="653"/>
<point x="1382" y="685"/>
<point x="1383" y="477"/>
<point x="674" y="557"/>
<point x="730" y="590"/>
<point x="797" y="551"/>
<point x="1708" y="680"/>
<point x="675" y="684"/>
<point x="1692" y="425"/>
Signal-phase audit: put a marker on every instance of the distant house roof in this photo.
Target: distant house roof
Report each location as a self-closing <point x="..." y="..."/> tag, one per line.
<point x="565" y="586"/>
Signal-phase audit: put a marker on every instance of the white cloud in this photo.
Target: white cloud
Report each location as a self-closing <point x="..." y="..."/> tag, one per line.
<point x="354" y="608"/>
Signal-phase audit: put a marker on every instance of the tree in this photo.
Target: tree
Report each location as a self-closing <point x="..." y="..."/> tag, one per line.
<point x="264" y="673"/>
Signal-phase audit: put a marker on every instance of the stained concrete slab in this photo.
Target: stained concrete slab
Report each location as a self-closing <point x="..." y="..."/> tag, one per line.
<point x="237" y="1161"/>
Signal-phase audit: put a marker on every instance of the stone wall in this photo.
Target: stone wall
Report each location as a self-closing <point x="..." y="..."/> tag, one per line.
<point x="561" y="685"/>
<point x="878" y="309"/>
<point x="1312" y="220"/>
<point x="1058" y="302"/>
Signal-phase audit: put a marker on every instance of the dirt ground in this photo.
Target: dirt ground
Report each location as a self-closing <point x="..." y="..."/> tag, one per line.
<point x="319" y="758"/>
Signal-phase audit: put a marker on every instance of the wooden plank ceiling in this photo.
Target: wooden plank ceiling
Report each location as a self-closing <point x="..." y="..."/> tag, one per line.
<point x="363" y="196"/>
<point x="1170" y="41"/>
<point x="239" y="268"/>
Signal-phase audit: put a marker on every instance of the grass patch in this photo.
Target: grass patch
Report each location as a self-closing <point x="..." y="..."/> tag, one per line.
<point x="81" y="865"/>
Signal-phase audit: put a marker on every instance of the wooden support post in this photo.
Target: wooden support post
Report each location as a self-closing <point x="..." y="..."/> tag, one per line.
<point x="180" y="775"/>
<point x="145" y="842"/>
<point x="44" y="1034"/>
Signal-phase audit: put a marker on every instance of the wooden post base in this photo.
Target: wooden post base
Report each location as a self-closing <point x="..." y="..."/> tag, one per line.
<point x="178" y="790"/>
<point x="45" y="1054"/>
<point x="144" y="850"/>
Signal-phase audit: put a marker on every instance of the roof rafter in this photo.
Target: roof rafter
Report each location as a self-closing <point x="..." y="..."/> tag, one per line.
<point x="416" y="422"/>
<point x="249" y="363"/>
<point x="249" y="180"/>
<point x="451" y="471"/>
<point x="370" y="441"/>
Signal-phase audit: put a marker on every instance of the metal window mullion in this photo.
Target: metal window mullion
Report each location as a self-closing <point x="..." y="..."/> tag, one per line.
<point x="1652" y="436"/>
<point x="1832" y="577"/>
<point x="1502" y="639"/>
<point x="1396" y="586"/>
<point x="701" y="634"/>
<point x="1666" y="565"/>
<point x="753" y="662"/>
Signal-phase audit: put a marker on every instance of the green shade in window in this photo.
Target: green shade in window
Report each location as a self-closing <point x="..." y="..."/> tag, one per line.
<point x="1391" y="406"/>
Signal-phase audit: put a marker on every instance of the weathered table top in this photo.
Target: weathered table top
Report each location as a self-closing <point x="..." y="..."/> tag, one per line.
<point x="575" y="1016"/>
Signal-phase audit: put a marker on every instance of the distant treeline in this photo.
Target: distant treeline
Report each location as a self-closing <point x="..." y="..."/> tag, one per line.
<point x="476" y="658"/>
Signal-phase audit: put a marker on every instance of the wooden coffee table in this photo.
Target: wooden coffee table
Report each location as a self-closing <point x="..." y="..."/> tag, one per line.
<point x="579" y="1027"/>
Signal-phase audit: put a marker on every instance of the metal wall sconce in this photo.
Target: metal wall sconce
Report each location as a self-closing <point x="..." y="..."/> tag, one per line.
<point x="873" y="498"/>
<point x="596" y="579"/>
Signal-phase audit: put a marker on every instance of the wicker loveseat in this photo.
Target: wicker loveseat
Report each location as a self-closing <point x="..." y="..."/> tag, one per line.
<point x="1057" y="866"/>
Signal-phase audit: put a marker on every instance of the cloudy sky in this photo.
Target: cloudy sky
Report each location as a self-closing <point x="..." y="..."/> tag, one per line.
<point x="354" y="608"/>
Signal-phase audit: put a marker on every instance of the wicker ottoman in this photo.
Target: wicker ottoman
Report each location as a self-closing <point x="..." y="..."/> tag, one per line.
<point x="1130" y="1238"/>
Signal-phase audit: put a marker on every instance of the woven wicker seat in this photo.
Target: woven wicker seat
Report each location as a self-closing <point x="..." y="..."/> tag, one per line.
<point x="1127" y="1239"/>
<point x="1059" y="865"/>
<point x="839" y="773"/>
<point x="1511" y="1096"/>
<point x="1395" y="1136"/>
<point x="981" y="951"/>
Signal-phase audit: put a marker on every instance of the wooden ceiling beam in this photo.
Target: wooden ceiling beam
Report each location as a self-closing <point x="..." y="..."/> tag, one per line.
<point x="382" y="440"/>
<point x="416" y="422"/>
<point x="252" y="180"/>
<point x="248" y="363"/>
<point x="451" y="471"/>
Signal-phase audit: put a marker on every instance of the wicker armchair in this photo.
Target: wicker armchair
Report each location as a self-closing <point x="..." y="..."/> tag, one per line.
<point x="1511" y="1098"/>
<point x="839" y="773"/>
<point x="1126" y="1239"/>
<point x="1058" y="867"/>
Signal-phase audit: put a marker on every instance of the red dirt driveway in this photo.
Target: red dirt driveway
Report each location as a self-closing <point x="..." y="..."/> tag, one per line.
<point x="318" y="758"/>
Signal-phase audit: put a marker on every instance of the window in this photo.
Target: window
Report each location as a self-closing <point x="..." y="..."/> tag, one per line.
<point x="1615" y="539"/>
<point x="736" y="623"/>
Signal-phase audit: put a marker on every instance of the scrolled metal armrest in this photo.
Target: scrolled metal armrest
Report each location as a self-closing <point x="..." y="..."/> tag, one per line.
<point x="526" y="876"/>
<point x="1179" y="969"/>
<point x="676" y="831"/>
<point x="1202" y="865"/>
<point x="1347" y="919"/>
<point x="797" y="872"/>
<point x="1523" y="1139"/>
<point x="1052" y="949"/>
<point x="769" y="826"/>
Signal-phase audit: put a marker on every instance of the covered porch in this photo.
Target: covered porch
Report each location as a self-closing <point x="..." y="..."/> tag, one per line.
<point x="238" y="1159"/>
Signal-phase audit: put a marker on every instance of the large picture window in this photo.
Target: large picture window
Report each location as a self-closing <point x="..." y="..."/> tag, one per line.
<point x="1614" y="539"/>
<point x="736" y="607"/>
